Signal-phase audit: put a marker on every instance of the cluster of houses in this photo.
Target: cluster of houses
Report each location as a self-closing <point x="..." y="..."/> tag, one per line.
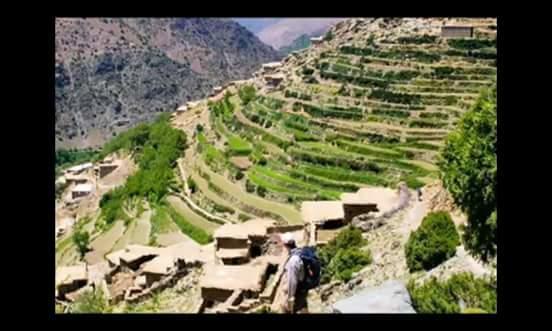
<point x="81" y="182"/>
<point x="240" y="272"/>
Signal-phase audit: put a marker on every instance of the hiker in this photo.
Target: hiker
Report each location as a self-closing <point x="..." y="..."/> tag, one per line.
<point x="301" y="273"/>
<point x="419" y="191"/>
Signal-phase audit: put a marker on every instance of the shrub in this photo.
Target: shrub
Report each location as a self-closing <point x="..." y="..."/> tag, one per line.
<point x="239" y="175"/>
<point x="243" y="217"/>
<point x="249" y="187"/>
<point x="222" y="209"/>
<point x="432" y="243"/>
<point x="342" y="256"/>
<point x="91" y="302"/>
<point x="470" y="44"/>
<point x="261" y="191"/>
<point x="347" y="261"/>
<point x="425" y="39"/>
<point x="192" y="184"/>
<point x="433" y="296"/>
<point x="307" y="71"/>
<point x="81" y="239"/>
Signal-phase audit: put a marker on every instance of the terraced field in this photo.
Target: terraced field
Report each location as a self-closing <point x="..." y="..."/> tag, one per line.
<point x="351" y="113"/>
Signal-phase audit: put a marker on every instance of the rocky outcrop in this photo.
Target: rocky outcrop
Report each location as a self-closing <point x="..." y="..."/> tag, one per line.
<point x="392" y="297"/>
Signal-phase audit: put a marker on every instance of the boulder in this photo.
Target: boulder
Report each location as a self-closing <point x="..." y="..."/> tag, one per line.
<point x="391" y="297"/>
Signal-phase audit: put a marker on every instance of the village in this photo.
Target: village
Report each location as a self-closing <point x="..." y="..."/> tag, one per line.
<point x="242" y="269"/>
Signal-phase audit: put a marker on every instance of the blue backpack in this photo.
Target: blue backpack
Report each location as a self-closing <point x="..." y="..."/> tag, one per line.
<point x="311" y="263"/>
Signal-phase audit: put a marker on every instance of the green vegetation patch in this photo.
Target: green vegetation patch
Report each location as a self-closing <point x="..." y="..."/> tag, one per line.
<point x="444" y="297"/>
<point x="432" y="243"/>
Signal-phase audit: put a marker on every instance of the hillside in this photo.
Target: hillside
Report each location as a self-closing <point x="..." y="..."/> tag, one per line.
<point x="301" y="42"/>
<point x="285" y="31"/>
<point x="365" y="110"/>
<point x="114" y="73"/>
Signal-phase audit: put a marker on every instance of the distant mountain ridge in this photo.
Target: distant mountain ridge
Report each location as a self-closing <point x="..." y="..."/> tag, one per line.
<point x="112" y="73"/>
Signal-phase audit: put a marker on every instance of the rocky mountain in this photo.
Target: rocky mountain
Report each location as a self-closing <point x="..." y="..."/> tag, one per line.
<point x="113" y="73"/>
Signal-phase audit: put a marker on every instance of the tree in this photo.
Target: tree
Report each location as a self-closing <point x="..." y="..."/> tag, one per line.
<point x="249" y="187"/>
<point x="81" y="239"/>
<point x="246" y="94"/>
<point x="261" y="191"/>
<point x="469" y="172"/>
<point x="192" y="184"/>
<point x="432" y="243"/>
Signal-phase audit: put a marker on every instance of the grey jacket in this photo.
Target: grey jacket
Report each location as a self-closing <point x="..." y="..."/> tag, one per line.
<point x="295" y="273"/>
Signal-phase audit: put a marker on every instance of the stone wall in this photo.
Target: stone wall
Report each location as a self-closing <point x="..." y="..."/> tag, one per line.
<point x="352" y="210"/>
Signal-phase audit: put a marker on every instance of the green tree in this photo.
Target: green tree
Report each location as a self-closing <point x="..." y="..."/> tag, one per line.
<point x="249" y="187"/>
<point x="246" y="94"/>
<point x="432" y="243"/>
<point x="81" y="239"/>
<point x="261" y="191"/>
<point x="192" y="184"/>
<point x="469" y="172"/>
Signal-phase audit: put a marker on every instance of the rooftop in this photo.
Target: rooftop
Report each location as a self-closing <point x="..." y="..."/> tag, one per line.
<point x="275" y="76"/>
<point x="134" y="252"/>
<point x="67" y="275"/>
<point x="82" y="188"/>
<point x="182" y="108"/>
<point x="231" y="253"/>
<point x="160" y="265"/>
<point x="253" y="228"/>
<point x="80" y="167"/>
<point x="320" y="211"/>
<point x="230" y="277"/>
<point x="384" y="198"/>
<point x="272" y="65"/>
<point x="242" y="162"/>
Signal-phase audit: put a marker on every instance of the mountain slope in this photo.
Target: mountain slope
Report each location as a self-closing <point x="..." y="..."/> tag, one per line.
<point x="256" y="24"/>
<point x="114" y="73"/>
<point x="285" y="31"/>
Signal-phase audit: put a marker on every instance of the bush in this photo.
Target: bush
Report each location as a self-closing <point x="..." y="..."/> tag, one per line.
<point x="199" y="128"/>
<point x="81" y="239"/>
<point x="239" y="175"/>
<point x="91" y="302"/>
<point x="192" y="184"/>
<point x="222" y="209"/>
<point x="347" y="261"/>
<point x="246" y="94"/>
<point x="469" y="172"/>
<point x="243" y="217"/>
<point x="261" y="191"/>
<point x="432" y="243"/>
<point x="432" y="297"/>
<point x="249" y="187"/>
<point x="307" y="71"/>
<point x="342" y="256"/>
